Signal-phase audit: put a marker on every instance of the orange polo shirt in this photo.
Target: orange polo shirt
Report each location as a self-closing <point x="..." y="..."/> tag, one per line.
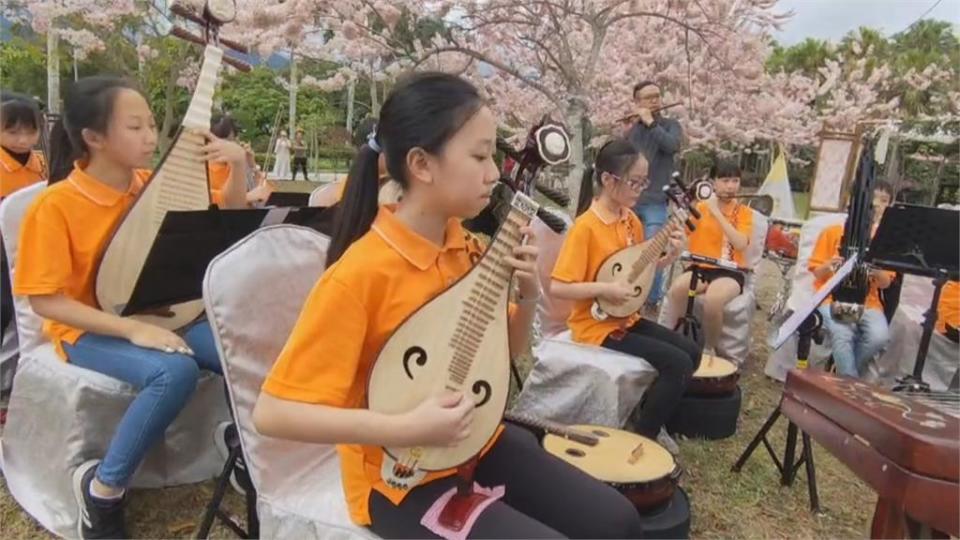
<point x="948" y="311"/>
<point x="828" y="247"/>
<point x="708" y="240"/>
<point x="595" y="235"/>
<point x="219" y="174"/>
<point x="62" y="239"/>
<point x="15" y="176"/>
<point x="353" y="309"/>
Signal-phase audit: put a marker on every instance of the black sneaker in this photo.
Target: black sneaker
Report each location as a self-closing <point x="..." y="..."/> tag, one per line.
<point x="97" y="519"/>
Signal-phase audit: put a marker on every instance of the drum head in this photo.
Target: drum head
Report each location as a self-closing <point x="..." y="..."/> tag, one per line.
<point x="714" y="367"/>
<point x="612" y="459"/>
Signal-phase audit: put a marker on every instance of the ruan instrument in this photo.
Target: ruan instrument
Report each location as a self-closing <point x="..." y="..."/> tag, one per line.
<point x="180" y="182"/>
<point x="638" y="467"/>
<point x="715" y="376"/>
<point x="634" y="266"/>
<point x="906" y="447"/>
<point x="458" y="341"/>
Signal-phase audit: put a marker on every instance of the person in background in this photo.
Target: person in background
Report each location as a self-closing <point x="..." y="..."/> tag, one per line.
<point x="299" y="148"/>
<point x="853" y="344"/>
<point x="658" y="138"/>
<point x="281" y="149"/>
<point x="257" y="191"/>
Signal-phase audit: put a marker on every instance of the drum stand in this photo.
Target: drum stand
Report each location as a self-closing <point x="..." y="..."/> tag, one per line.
<point x="688" y="325"/>
<point x="789" y="466"/>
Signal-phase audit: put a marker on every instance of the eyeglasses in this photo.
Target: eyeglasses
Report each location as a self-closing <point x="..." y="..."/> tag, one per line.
<point x="638" y="184"/>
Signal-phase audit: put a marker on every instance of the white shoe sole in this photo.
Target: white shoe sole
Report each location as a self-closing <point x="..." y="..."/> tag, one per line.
<point x="78" y="491"/>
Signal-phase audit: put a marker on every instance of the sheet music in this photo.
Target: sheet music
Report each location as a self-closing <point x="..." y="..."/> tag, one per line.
<point x="795" y="319"/>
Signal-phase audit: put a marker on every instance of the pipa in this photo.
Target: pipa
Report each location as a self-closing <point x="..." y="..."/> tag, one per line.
<point x="179" y="183"/>
<point x="456" y="342"/>
<point x="634" y="266"/>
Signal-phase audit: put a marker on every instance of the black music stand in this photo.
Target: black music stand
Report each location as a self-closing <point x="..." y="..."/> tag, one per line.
<point x="188" y="241"/>
<point x="287" y="198"/>
<point x="806" y="323"/>
<point x="923" y="241"/>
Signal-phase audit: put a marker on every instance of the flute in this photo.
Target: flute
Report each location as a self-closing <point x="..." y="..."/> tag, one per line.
<point x="634" y="116"/>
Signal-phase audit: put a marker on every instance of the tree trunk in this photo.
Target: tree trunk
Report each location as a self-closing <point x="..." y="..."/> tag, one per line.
<point x="293" y="93"/>
<point x="374" y="99"/>
<point x="53" y="71"/>
<point x="351" y="90"/>
<point x="574" y="121"/>
<point x="168" y="119"/>
<point x="76" y="73"/>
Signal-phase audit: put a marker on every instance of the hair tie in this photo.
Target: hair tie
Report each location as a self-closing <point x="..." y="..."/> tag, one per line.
<point x="372" y="141"/>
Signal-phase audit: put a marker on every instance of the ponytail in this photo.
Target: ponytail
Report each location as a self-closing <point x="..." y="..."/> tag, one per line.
<point x="586" y="190"/>
<point x="62" y="153"/>
<point x="357" y="210"/>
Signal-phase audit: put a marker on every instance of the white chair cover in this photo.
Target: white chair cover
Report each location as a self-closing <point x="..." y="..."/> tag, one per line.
<point x="734" y="342"/>
<point x="785" y="358"/>
<point x="61" y="415"/>
<point x="570" y="382"/>
<point x="298" y="484"/>
<point x="943" y="356"/>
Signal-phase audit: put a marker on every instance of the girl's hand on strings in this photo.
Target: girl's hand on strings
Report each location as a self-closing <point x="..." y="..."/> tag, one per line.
<point x="222" y="150"/>
<point x="524" y="263"/>
<point x="442" y="420"/>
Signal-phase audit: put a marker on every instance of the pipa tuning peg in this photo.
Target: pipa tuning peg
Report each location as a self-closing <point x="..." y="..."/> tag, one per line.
<point x="556" y="223"/>
<point x="558" y="197"/>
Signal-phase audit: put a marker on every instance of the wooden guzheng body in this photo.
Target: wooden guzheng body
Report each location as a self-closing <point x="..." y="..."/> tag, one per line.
<point x="456" y="342"/>
<point x="179" y="183"/>
<point x="907" y="451"/>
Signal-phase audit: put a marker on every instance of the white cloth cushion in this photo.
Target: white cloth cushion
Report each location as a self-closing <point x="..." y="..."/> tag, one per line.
<point x="573" y="383"/>
<point x="12" y="211"/>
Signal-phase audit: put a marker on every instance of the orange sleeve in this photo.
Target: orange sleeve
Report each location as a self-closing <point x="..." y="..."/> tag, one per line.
<point x="824" y="250"/>
<point x="745" y="224"/>
<point x="219" y="175"/>
<point x="571" y="265"/>
<point x="321" y="359"/>
<point x="44" y="265"/>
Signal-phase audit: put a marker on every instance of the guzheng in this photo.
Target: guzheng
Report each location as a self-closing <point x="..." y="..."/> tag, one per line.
<point x="456" y="342"/>
<point x="179" y="183"/>
<point x="906" y="449"/>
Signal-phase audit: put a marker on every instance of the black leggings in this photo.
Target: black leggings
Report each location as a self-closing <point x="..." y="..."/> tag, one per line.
<point x="6" y="297"/>
<point x="545" y="498"/>
<point x="675" y="358"/>
<point x="299" y="163"/>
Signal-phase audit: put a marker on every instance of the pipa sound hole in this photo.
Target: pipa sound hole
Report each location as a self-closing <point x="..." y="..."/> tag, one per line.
<point x="482" y="387"/>
<point x="637" y="291"/>
<point x="600" y="433"/>
<point x="616" y="269"/>
<point x="418" y="355"/>
<point x="575" y="452"/>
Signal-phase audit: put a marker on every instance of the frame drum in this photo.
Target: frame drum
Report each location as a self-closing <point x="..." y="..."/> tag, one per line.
<point x="715" y="376"/>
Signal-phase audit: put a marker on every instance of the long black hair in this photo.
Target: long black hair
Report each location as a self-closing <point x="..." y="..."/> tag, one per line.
<point x="87" y="104"/>
<point x="423" y="111"/>
<point x="224" y="126"/>
<point x="615" y="157"/>
<point x="18" y="110"/>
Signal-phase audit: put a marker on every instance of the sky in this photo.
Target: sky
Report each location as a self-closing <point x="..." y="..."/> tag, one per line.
<point x="832" y="19"/>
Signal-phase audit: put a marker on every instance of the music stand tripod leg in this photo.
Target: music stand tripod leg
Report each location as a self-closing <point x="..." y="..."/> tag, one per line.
<point x="811" y="474"/>
<point x="757" y="439"/>
<point x="789" y="456"/>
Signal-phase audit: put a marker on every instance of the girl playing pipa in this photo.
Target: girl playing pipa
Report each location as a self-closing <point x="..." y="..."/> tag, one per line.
<point x="438" y="140"/>
<point x="607" y="226"/>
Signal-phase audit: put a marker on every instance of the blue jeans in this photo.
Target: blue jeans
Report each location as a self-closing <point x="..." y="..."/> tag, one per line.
<point x="854" y="344"/>
<point x="166" y="382"/>
<point x="653" y="216"/>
